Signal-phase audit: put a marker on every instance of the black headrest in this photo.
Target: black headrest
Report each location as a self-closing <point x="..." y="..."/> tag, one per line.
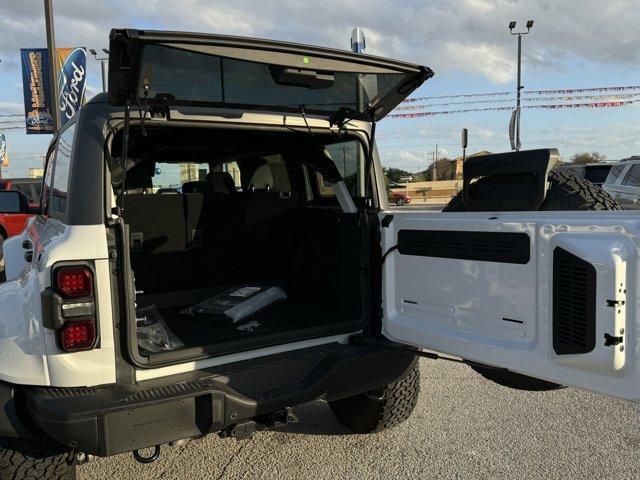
<point x="221" y="182"/>
<point x="197" y="187"/>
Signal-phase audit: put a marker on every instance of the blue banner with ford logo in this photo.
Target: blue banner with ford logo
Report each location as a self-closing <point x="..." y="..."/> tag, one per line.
<point x="72" y="76"/>
<point x="38" y="104"/>
<point x="38" y="111"/>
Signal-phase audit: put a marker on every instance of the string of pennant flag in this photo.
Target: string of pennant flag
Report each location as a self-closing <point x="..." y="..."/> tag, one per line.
<point x="618" y="97"/>
<point x="490" y="109"/>
<point x="562" y="91"/>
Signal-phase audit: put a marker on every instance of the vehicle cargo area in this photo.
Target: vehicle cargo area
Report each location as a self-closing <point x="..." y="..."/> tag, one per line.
<point x="234" y="239"/>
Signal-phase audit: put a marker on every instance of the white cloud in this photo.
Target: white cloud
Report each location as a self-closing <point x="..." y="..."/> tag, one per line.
<point x="488" y="60"/>
<point x="11" y="107"/>
<point x="469" y="35"/>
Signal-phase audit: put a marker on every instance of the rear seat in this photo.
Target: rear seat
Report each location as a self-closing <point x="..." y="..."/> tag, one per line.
<point x="158" y="238"/>
<point x="211" y="234"/>
<point x="269" y="226"/>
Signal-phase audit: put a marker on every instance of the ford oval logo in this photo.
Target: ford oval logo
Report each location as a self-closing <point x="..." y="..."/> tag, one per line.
<point x="72" y="79"/>
<point x="39" y="120"/>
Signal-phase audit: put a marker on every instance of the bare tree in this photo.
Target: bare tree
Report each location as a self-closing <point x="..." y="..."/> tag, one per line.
<point x="586" y="157"/>
<point x="445" y="170"/>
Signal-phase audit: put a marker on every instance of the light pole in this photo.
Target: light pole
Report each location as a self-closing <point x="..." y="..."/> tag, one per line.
<point x="515" y="142"/>
<point x="53" y="64"/>
<point x="102" y="66"/>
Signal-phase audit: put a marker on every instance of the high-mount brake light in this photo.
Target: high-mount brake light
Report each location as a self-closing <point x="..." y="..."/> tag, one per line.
<point x="74" y="282"/>
<point x="77" y="335"/>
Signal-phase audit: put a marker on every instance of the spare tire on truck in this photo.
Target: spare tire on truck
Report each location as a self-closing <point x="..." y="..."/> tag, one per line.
<point x="567" y="191"/>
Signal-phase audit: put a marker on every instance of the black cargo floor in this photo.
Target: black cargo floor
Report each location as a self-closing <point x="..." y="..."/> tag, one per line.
<point x="293" y="313"/>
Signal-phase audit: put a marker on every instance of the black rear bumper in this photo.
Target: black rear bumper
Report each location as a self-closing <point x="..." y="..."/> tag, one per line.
<point x="109" y="420"/>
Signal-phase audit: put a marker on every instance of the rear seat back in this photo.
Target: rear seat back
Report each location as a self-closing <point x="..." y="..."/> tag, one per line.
<point x="211" y="234"/>
<point x="158" y="238"/>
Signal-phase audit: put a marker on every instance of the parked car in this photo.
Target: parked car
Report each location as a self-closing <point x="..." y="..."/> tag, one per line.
<point x="596" y="173"/>
<point x="29" y="186"/>
<point x="623" y="184"/>
<point x="400" y="198"/>
<point x="15" y="210"/>
<point x="131" y="320"/>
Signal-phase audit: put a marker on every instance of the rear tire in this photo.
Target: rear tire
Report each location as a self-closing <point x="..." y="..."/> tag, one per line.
<point x="382" y="408"/>
<point x="41" y="458"/>
<point x="567" y="191"/>
<point x="400" y="202"/>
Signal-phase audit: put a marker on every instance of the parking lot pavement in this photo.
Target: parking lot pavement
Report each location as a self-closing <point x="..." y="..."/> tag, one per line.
<point x="464" y="427"/>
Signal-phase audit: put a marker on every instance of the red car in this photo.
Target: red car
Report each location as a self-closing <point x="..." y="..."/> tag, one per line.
<point x="15" y="210"/>
<point x="400" y="198"/>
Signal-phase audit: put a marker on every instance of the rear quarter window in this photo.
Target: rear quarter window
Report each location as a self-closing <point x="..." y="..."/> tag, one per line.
<point x="61" y="171"/>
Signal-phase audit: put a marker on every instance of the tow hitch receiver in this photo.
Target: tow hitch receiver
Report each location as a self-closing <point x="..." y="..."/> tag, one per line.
<point x="246" y="428"/>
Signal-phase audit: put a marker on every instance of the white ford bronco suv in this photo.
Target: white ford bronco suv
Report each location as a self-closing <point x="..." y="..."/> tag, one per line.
<point x="214" y="246"/>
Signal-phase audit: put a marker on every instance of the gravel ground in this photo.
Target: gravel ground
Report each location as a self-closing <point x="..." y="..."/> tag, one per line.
<point x="464" y="427"/>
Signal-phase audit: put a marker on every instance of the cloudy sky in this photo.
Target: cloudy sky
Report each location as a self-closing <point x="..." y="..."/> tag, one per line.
<point x="574" y="44"/>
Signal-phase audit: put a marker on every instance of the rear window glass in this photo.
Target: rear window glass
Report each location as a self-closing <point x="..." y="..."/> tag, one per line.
<point x="197" y="77"/>
<point x="168" y="177"/>
<point x="597" y="174"/>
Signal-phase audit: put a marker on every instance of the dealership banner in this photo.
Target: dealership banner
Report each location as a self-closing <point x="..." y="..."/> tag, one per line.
<point x="4" y="156"/>
<point x="38" y="108"/>
<point x="38" y="104"/>
<point x="72" y="76"/>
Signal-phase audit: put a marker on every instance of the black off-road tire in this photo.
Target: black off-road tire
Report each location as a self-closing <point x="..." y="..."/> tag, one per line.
<point x="41" y="459"/>
<point x="382" y="408"/>
<point x="567" y="191"/>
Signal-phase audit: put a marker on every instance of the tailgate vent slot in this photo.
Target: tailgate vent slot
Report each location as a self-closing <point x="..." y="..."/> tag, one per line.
<point x="502" y="247"/>
<point x="574" y="304"/>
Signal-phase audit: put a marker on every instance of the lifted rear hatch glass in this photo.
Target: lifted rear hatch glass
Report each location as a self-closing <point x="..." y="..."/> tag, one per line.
<point x="172" y="68"/>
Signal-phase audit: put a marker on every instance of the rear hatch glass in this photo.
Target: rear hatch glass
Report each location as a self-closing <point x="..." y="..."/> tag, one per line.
<point x="190" y="69"/>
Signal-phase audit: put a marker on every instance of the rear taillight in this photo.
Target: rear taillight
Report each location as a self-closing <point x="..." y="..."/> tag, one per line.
<point x="74" y="285"/>
<point x="74" y="282"/>
<point x="76" y="335"/>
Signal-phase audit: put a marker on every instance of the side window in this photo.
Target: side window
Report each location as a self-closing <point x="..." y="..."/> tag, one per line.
<point x="349" y="159"/>
<point x="61" y="171"/>
<point x="45" y="196"/>
<point x="633" y="177"/>
<point x="233" y="169"/>
<point x="281" y="181"/>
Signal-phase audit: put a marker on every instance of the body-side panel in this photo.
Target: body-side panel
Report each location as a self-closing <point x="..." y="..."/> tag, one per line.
<point x="30" y="350"/>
